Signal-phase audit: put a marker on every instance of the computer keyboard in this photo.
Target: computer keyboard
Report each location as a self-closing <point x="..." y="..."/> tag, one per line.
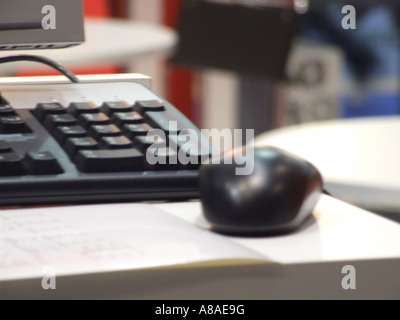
<point x="63" y="143"/>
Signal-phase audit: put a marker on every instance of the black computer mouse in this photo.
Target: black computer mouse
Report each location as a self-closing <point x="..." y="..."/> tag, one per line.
<point x="258" y="191"/>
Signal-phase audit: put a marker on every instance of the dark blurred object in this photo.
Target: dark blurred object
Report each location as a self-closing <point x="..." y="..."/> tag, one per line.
<point x="31" y="25"/>
<point x="371" y="68"/>
<point x="323" y="20"/>
<point x="249" y="40"/>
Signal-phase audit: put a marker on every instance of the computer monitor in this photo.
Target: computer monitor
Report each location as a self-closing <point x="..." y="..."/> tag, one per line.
<point x="40" y="24"/>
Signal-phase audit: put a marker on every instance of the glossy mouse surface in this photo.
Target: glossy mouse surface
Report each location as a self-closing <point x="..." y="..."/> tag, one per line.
<point x="259" y="192"/>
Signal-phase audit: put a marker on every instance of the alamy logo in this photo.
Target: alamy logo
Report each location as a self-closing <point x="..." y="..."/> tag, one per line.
<point x="349" y="21"/>
<point x="49" y="278"/>
<point x="188" y="147"/>
<point x="49" y="19"/>
<point x="349" y="281"/>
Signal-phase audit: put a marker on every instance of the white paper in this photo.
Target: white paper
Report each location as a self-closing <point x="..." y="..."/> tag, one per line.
<point x="101" y="238"/>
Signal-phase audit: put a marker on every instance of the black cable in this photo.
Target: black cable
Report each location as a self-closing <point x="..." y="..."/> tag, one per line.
<point x="44" y="60"/>
<point x="324" y="191"/>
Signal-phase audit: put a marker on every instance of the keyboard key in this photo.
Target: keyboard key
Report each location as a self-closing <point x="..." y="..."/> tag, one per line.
<point x="43" y="109"/>
<point x="63" y="133"/>
<point x="145" y="142"/>
<point x="78" y="108"/>
<point x="42" y="163"/>
<point x="93" y="119"/>
<point x="109" y="130"/>
<point x="162" y="158"/>
<point x="53" y="121"/>
<point x="120" y="119"/>
<point x="11" y="165"/>
<point x="120" y="142"/>
<point x="165" y="121"/>
<point x="73" y="145"/>
<point x="6" y="110"/>
<point x="13" y="124"/>
<point x="3" y="101"/>
<point x="101" y="161"/>
<point x="134" y="130"/>
<point x="5" y="147"/>
<point x="192" y="150"/>
<point x="148" y="105"/>
<point x="109" y="108"/>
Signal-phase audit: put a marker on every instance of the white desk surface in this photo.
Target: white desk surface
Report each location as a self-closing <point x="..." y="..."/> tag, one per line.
<point x="107" y="41"/>
<point x="309" y="264"/>
<point x="358" y="158"/>
<point x="336" y="231"/>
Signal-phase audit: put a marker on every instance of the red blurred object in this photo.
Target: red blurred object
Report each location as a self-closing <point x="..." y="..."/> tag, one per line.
<point x="96" y="8"/>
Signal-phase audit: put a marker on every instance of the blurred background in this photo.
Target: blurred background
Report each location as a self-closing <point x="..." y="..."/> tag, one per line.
<point x="294" y="61"/>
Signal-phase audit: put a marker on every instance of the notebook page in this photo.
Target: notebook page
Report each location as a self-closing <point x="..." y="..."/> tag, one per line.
<point x="100" y="238"/>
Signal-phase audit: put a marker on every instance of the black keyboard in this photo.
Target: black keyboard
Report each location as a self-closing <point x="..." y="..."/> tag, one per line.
<point x="95" y="142"/>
